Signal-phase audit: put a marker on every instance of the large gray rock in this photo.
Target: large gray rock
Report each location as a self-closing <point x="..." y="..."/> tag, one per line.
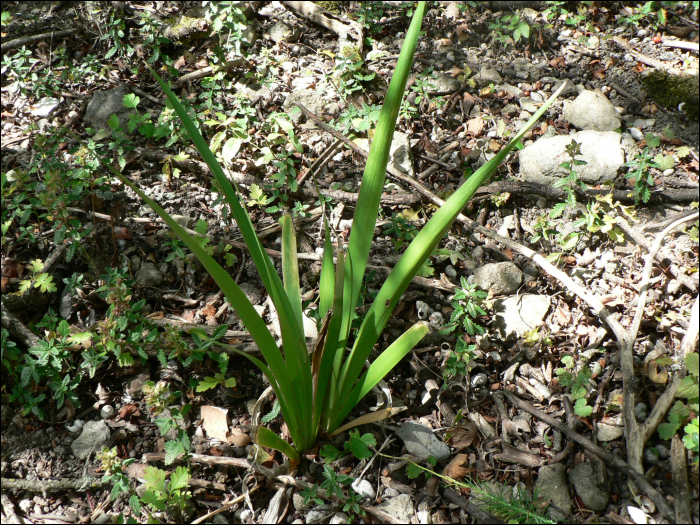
<point x="443" y="83"/>
<point x="605" y="153"/>
<point x="400" y="155"/>
<point x="149" y="275"/>
<point x="487" y="76"/>
<point x="94" y="436"/>
<point x="105" y="103"/>
<point x="594" y="493"/>
<point x="591" y="110"/>
<point x="502" y="278"/>
<point x="609" y="432"/>
<point x="421" y="442"/>
<point x="520" y="314"/>
<point x="311" y="100"/>
<point x="400" y="508"/>
<point x="551" y="484"/>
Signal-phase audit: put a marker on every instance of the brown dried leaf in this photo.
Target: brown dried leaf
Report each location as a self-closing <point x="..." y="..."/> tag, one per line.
<point x="456" y="469"/>
<point x="180" y="63"/>
<point x="120" y="232"/>
<point x="209" y="310"/>
<point x="558" y="62"/>
<point x="462" y="32"/>
<point x="463" y="435"/>
<point x="424" y="144"/>
<point x="599" y="73"/>
<point x="239" y="438"/>
<point x="129" y="410"/>
<point x="431" y="486"/>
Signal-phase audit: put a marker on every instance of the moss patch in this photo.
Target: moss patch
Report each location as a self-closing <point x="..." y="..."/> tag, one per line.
<point x="331" y="7"/>
<point x="184" y="29"/>
<point x="671" y="90"/>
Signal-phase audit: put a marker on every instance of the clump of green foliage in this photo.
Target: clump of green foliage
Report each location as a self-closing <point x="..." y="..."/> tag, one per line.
<point x="579" y="384"/>
<point x="467" y="306"/>
<point x="685" y="414"/>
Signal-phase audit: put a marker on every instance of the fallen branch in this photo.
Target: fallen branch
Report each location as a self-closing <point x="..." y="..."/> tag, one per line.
<point x="637" y="433"/>
<point x="18" y="42"/>
<point x="691" y="46"/>
<point x="17" y="329"/>
<point x="345" y="29"/>
<point x="667" y="195"/>
<point x="675" y="270"/>
<point x="679" y="469"/>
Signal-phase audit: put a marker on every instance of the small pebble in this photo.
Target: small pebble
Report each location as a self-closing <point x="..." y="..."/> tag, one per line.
<point x="650" y="457"/>
<point x="636" y="134"/>
<point x="663" y="451"/>
<point x="479" y="380"/>
<point x="640" y="411"/>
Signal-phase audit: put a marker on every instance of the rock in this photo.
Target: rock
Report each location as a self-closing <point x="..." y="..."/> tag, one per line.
<point x="508" y="224"/>
<point x="252" y="292"/>
<point x="43" y="108"/>
<point x="509" y="110"/>
<point x="298" y="502"/>
<point x="487" y="76"/>
<point x="135" y="263"/>
<point x="183" y="220"/>
<point x="636" y="134"/>
<point x="528" y="104"/>
<point x="106" y="103"/>
<point x="584" y="479"/>
<point x="663" y="451"/>
<point x="511" y="91"/>
<point x="94" y="436"/>
<point x="338" y="518"/>
<point x="400" y="155"/>
<point x="501" y="278"/>
<point x="608" y="432"/>
<point x="320" y="514"/>
<point x="364" y="488"/>
<point x="591" y="110"/>
<point x="551" y="484"/>
<point x="253" y="92"/>
<point x="421" y="442"/>
<point x="520" y="314"/>
<point x="66" y="303"/>
<point x="313" y="101"/>
<point x="281" y="31"/>
<point x="149" y="276"/>
<point x="605" y="153"/>
<point x="400" y="508"/>
<point x="184" y="29"/>
<point x="443" y="83"/>
<point x="570" y="88"/>
<point x="479" y="380"/>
